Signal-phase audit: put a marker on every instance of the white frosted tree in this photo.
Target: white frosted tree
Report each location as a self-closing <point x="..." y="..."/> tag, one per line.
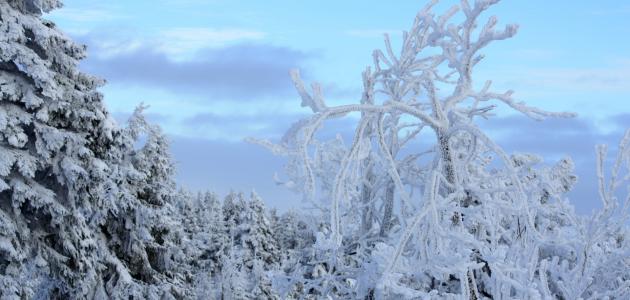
<point x="89" y="210"/>
<point x="592" y="260"/>
<point x="468" y="220"/>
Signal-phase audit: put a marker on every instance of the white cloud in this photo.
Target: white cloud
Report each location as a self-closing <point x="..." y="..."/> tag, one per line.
<point x="107" y="48"/>
<point x="186" y="40"/>
<point x="605" y="79"/>
<point x="594" y="92"/>
<point x="86" y="15"/>
<point x="177" y="43"/>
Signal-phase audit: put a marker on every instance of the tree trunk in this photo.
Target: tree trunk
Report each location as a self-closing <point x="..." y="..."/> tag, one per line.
<point x="389" y="208"/>
<point x="447" y="158"/>
<point x="366" y="217"/>
<point x="449" y="173"/>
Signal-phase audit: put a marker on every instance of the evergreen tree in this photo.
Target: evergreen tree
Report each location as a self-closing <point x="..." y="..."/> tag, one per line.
<point x="233" y="206"/>
<point x="144" y="232"/>
<point x="206" y="233"/>
<point x="84" y="213"/>
<point x="234" y="282"/>
<point x="260" y="238"/>
<point x="89" y="210"/>
<point x="218" y="239"/>
<point x="55" y="138"/>
<point x="286" y="230"/>
<point x="264" y="253"/>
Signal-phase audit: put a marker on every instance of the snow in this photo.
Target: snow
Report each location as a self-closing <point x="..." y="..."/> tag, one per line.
<point x="87" y="211"/>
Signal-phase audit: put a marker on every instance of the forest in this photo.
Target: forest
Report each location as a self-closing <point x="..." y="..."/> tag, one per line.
<point x="418" y="203"/>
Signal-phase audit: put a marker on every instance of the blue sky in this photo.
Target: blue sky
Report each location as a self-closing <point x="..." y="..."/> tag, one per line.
<point x="216" y="71"/>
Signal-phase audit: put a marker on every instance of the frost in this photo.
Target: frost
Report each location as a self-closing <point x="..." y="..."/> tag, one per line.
<point x="89" y="212"/>
<point x="461" y="218"/>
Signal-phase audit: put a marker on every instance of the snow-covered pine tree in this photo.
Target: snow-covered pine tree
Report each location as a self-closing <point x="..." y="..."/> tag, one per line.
<point x="286" y="230"/>
<point x="217" y="236"/>
<point x="144" y="232"/>
<point x="253" y="245"/>
<point x="294" y="236"/>
<point x="205" y="242"/>
<point x="189" y="209"/>
<point x="261" y="237"/>
<point x="233" y="206"/>
<point x="206" y="231"/>
<point x="265" y="252"/>
<point x="80" y="206"/>
<point x="55" y="136"/>
<point x="274" y="222"/>
<point x="235" y="285"/>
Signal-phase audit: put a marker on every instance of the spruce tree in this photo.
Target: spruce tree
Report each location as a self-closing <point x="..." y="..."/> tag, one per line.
<point x="264" y="252"/>
<point x="80" y="208"/>
<point x="217" y="239"/>
<point x="144" y="232"/>
<point x="260" y="237"/>
<point x="55" y="136"/>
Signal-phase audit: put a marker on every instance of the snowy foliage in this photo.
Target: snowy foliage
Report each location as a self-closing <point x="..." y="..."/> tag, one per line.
<point x="89" y="209"/>
<point x="83" y="211"/>
<point x="461" y="218"/>
<point x="54" y="141"/>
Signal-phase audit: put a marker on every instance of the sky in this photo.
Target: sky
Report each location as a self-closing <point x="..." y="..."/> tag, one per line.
<point x="216" y="71"/>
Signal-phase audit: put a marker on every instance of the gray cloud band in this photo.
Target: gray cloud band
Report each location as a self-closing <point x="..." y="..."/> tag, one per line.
<point x="239" y="72"/>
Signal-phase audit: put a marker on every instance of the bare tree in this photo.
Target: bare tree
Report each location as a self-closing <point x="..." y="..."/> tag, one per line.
<point x="484" y="219"/>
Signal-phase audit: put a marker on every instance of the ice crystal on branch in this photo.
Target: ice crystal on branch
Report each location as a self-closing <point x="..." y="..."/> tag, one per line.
<point x="462" y="217"/>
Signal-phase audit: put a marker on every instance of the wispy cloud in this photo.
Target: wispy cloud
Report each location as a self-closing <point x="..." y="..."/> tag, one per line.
<point x="106" y="48"/>
<point x="550" y="138"/>
<point x="243" y="81"/>
<point x="95" y="14"/>
<point x="181" y="43"/>
<point x="611" y="78"/>
<point x="185" y="40"/>
<point x="236" y="127"/>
